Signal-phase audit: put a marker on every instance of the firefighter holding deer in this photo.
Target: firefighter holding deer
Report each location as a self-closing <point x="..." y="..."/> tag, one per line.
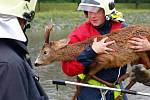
<point x="101" y="15"/>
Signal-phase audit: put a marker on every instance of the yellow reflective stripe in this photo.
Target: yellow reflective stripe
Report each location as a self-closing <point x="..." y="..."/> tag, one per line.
<point x="117" y="15"/>
<point x="81" y="76"/>
<point x="91" y="81"/>
<point x="94" y="82"/>
<point x="116" y="94"/>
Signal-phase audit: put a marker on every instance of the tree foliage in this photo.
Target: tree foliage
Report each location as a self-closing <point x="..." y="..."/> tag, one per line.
<point x="132" y="1"/>
<point x="61" y="1"/>
<point x="118" y="1"/>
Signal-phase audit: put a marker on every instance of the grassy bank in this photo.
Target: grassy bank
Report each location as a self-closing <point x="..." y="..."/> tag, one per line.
<point x="65" y="14"/>
<point x="56" y="6"/>
<point x="46" y="6"/>
<point x="65" y="21"/>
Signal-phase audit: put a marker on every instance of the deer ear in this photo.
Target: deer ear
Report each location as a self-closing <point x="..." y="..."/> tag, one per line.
<point x="61" y="43"/>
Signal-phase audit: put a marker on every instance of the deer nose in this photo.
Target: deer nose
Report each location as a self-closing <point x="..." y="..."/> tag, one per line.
<point x="36" y="64"/>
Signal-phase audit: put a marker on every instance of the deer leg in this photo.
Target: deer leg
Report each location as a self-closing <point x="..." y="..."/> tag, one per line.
<point x="103" y="62"/>
<point x="77" y="92"/>
<point x="85" y="80"/>
<point x="132" y="82"/>
<point x="145" y="60"/>
<point x="119" y="97"/>
<point x="123" y="77"/>
<point x="92" y="73"/>
<point x="78" y="88"/>
<point x="103" y="81"/>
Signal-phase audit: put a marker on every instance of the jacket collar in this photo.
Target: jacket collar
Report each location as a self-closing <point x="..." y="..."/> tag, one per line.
<point x="105" y="28"/>
<point x="10" y="28"/>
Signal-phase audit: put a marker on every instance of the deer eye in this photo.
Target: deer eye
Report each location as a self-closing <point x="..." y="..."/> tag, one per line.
<point x="45" y="52"/>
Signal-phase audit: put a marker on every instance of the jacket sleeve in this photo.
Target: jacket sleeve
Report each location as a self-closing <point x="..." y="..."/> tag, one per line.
<point x="87" y="57"/>
<point x="81" y="63"/>
<point x="77" y="66"/>
<point x="11" y="86"/>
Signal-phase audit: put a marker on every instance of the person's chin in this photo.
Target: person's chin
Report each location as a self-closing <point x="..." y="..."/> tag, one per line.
<point x="95" y="24"/>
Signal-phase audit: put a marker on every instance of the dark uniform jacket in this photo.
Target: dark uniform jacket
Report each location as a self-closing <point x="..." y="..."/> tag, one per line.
<point x="17" y="81"/>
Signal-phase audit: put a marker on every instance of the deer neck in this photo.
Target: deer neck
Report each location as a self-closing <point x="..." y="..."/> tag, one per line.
<point x="71" y="51"/>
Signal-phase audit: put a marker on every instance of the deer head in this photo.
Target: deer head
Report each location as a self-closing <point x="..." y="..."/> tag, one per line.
<point x="50" y="51"/>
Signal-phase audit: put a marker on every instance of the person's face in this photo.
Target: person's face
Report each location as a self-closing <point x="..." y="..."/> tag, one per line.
<point x="97" y="18"/>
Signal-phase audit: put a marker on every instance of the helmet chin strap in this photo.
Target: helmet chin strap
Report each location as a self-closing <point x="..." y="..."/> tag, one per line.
<point x="27" y="26"/>
<point x="28" y="0"/>
<point x="28" y="17"/>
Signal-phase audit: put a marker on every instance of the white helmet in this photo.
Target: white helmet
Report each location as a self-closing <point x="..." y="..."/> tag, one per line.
<point x="19" y="8"/>
<point x="94" y="5"/>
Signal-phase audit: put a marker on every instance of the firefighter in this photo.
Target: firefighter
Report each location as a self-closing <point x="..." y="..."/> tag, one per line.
<point x="17" y="80"/>
<point x="102" y="19"/>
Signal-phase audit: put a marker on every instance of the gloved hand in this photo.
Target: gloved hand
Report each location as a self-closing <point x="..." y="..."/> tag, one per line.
<point x="140" y="74"/>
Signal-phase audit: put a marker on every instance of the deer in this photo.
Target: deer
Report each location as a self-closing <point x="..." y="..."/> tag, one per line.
<point x="60" y="50"/>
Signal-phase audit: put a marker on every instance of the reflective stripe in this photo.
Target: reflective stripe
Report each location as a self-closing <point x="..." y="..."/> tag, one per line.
<point x="116" y="94"/>
<point x="117" y="15"/>
<point x="91" y="81"/>
<point x="94" y="82"/>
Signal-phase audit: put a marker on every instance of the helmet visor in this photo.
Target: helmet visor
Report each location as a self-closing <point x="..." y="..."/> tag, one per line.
<point x="88" y="8"/>
<point x="95" y="5"/>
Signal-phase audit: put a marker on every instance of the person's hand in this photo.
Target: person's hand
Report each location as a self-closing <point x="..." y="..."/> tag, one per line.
<point x="100" y="47"/>
<point x="139" y="44"/>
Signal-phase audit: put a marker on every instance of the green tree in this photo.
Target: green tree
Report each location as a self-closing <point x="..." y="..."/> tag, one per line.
<point x="137" y="2"/>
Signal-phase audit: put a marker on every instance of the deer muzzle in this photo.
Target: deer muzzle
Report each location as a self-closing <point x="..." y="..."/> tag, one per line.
<point x="38" y="63"/>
